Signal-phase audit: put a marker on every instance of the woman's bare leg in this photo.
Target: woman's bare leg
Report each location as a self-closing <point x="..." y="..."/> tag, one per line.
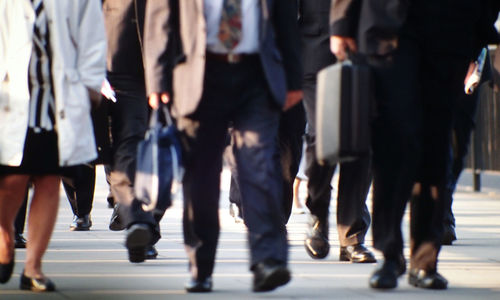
<point x="41" y="220"/>
<point x="12" y="191"/>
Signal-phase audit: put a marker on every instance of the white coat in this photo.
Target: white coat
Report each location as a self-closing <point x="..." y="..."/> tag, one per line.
<point x="78" y="44"/>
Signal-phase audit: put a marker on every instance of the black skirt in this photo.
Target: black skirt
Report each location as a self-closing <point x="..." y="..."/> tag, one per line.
<point x="40" y="155"/>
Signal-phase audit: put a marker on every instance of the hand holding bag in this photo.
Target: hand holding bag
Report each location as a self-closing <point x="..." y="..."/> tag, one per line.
<point x="159" y="162"/>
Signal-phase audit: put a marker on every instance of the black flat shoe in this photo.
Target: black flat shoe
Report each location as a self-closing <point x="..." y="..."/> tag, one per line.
<point x="36" y="285"/>
<point x="427" y="280"/>
<point x="6" y="271"/>
<point x="386" y="275"/>
<point x="356" y="254"/>
<point x="19" y="241"/>
<point x="199" y="286"/>
<point x="316" y="242"/>
<point x="269" y="275"/>
<point x="80" y="223"/>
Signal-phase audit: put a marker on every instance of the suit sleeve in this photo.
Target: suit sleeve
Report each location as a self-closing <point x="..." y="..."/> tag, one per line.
<point x="157" y="33"/>
<point x="344" y="17"/>
<point x="288" y="41"/>
<point x="487" y="33"/>
<point x="91" y="45"/>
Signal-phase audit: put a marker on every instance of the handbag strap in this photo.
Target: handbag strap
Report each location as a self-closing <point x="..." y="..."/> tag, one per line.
<point x="155" y="116"/>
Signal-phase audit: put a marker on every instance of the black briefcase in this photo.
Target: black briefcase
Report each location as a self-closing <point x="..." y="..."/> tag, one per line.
<point x="344" y="100"/>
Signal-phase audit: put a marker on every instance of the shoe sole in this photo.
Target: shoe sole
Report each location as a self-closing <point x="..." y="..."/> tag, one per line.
<point x="137" y="240"/>
<point x="378" y="286"/>
<point x="276" y="279"/>
<point x="434" y="286"/>
<point x="356" y="260"/>
<point x="79" y="228"/>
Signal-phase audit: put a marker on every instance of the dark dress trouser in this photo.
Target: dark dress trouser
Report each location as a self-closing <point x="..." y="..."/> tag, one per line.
<point x="411" y="138"/>
<point x="79" y="185"/>
<point x="235" y="93"/>
<point x="290" y="133"/>
<point x="129" y="119"/>
<point x="463" y="124"/>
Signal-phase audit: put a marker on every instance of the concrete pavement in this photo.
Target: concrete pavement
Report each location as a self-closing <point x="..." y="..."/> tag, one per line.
<point x="94" y="264"/>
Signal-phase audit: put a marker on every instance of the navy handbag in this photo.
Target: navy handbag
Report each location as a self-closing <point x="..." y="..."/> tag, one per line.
<point x="159" y="162"/>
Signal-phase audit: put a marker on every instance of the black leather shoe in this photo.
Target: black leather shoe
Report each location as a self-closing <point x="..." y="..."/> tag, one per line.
<point x="427" y="280"/>
<point x="138" y="239"/>
<point x="115" y="223"/>
<point x="37" y="285"/>
<point x="6" y="271"/>
<point x="199" y="286"/>
<point x="386" y="275"/>
<point x="19" y="241"/>
<point x="151" y="252"/>
<point x="449" y="235"/>
<point x="80" y="223"/>
<point x="111" y="200"/>
<point x="268" y="275"/>
<point x="356" y="254"/>
<point x="316" y="242"/>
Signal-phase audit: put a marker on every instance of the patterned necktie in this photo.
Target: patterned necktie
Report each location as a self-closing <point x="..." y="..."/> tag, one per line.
<point x="230" y="24"/>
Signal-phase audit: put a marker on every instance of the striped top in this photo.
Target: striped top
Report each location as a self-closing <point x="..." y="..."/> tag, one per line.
<point x="42" y="102"/>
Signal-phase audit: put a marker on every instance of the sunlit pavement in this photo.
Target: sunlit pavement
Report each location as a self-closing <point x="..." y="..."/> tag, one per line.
<point x="94" y="264"/>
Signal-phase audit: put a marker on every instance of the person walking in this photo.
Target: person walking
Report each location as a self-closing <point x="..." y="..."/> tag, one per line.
<point x="124" y="22"/>
<point x="353" y="218"/>
<point x="419" y="52"/>
<point x="220" y="62"/>
<point x="52" y="59"/>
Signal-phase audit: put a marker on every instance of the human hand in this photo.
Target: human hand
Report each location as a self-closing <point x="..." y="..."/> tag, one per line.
<point x="340" y="44"/>
<point x="95" y="98"/>
<point x="292" y="98"/>
<point x="154" y="99"/>
<point x="472" y="66"/>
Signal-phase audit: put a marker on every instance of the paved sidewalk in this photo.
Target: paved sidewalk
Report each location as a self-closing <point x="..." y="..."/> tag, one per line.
<point x="93" y="265"/>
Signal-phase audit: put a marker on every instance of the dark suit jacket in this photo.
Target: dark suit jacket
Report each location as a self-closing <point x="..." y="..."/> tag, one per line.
<point x="124" y="20"/>
<point x="314" y="29"/>
<point x="175" y="46"/>
<point x="453" y="26"/>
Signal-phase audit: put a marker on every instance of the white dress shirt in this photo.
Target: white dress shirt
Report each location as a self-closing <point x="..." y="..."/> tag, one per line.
<point x="250" y="26"/>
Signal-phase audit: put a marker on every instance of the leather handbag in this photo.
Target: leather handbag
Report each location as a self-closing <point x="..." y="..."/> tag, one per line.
<point x="343" y="109"/>
<point x="159" y="162"/>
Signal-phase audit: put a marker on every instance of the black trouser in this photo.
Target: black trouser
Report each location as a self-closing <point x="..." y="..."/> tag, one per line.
<point x="463" y="124"/>
<point x="21" y="216"/>
<point x="236" y="94"/>
<point x="416" y="97"/>
<point x="353" y="218"/>
<point x="79" y="185"/>
<point x="290" y="132"/>
<point x="129" y="119"/>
